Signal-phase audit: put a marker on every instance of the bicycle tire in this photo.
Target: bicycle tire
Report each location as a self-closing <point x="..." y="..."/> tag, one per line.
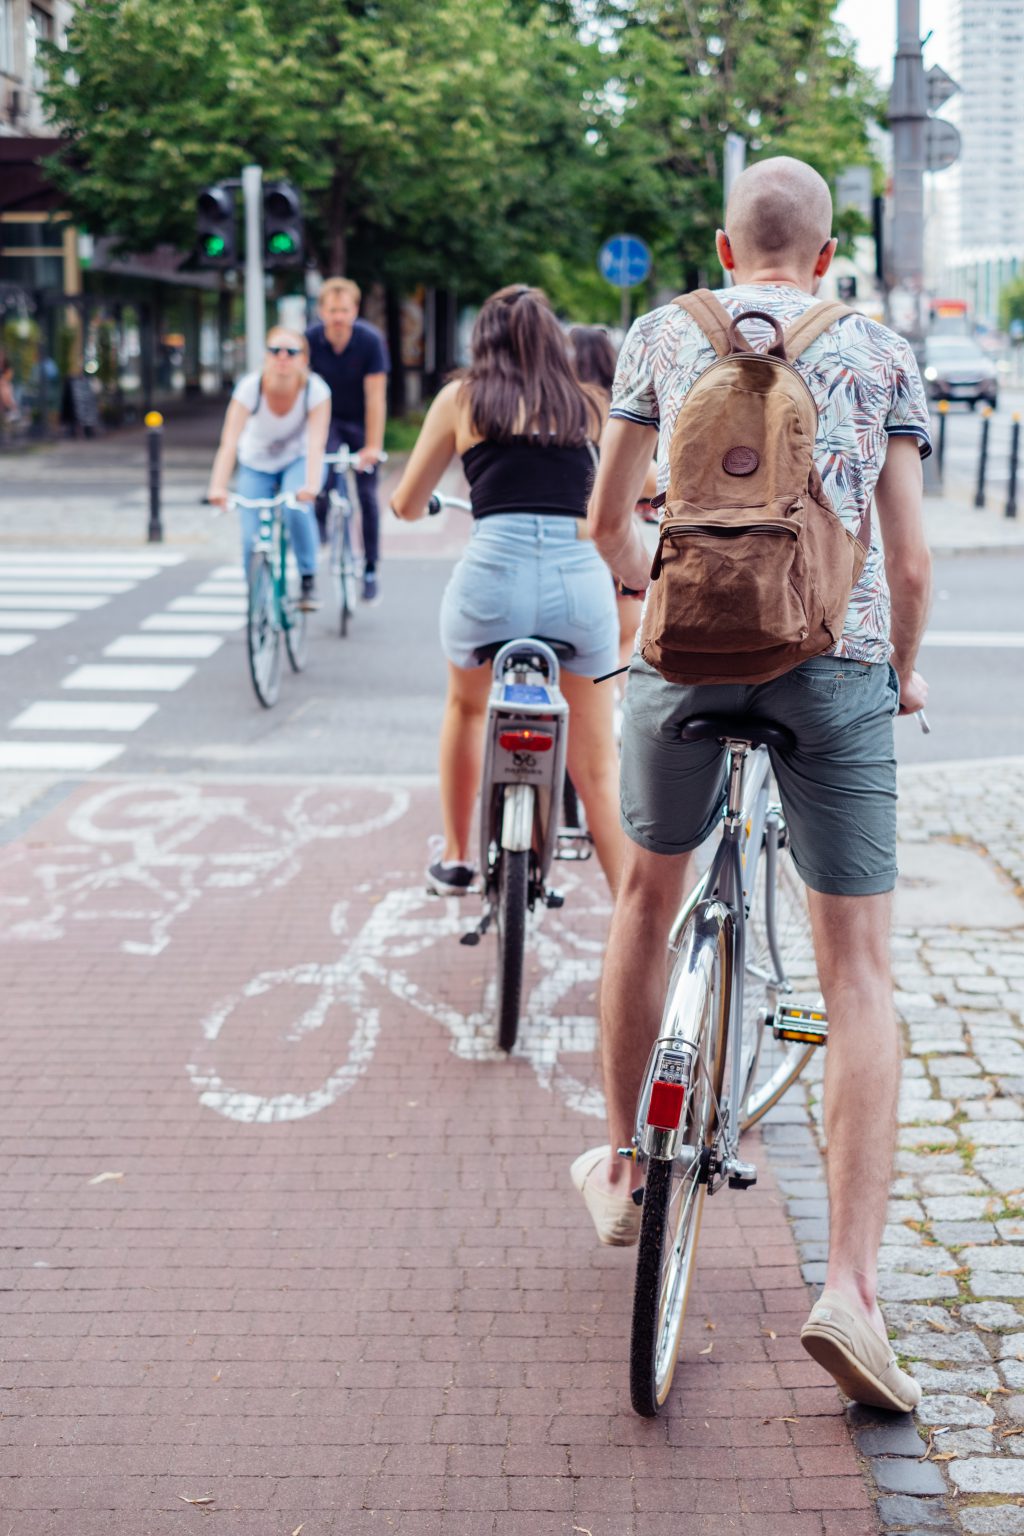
<point x="263" y="633"/>
<point x="510" y="922"/>
<point x="674" y="1199"/>
<point x="296" y="634"/>
<point x="775" y="1065"/>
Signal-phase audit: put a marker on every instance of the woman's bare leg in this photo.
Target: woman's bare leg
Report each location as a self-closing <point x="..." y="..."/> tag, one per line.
<point x="462" y="734"/>
<point x="594" y="766"/>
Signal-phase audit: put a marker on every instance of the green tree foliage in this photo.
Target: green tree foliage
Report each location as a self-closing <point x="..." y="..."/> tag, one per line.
<point x="1011" y="302"/>
<point x="462" y="142"/>
<point x="778" y="72"/>
<point x="426" y="139"/>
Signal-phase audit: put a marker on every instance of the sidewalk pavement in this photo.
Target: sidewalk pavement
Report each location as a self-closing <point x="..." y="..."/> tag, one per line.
<point x="289" y="1245"/>
<point x="95" y="493"/>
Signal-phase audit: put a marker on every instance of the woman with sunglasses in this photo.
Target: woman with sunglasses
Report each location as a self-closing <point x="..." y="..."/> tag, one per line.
<point x="525" y="428"/>
<point x="276" y="428"/>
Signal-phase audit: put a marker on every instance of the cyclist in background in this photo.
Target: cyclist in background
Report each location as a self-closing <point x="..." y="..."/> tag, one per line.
<point x="351" y="356"/>
<point x="525" y="430"/>
<point x="276" y="427"/>
<point x="594" y="361"/>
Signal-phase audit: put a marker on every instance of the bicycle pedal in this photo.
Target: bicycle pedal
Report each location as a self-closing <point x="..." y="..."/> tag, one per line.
<point x="740" y="1175"/>
<point x="807" y="1026"/>
<point x="472" y="937"/>
<point x="554" y="899"/>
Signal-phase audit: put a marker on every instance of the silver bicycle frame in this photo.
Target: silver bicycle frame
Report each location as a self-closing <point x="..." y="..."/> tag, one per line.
<point x="721" y="899"/>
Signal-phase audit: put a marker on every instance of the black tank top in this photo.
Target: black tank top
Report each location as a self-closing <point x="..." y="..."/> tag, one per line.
<point x="526" y="475"/>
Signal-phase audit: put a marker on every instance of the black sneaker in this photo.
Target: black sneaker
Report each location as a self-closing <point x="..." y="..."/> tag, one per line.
<point x="308" y="600"/>
<point x="371" y="591"/>
<point x="448" y="879"/>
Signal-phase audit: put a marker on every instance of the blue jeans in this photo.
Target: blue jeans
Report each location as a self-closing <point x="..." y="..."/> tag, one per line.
<point x="524" y="574"/>
<point x="258" y="484"/>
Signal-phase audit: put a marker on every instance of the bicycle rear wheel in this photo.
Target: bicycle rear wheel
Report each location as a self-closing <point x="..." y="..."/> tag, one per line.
<point x="674" y="1192"/>
<point x="263" y="632"/>
<point x="510" y="921"/>
<point x="774" y="1064"/>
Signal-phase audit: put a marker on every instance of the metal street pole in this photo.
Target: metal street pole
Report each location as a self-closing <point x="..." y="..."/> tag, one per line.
<point x="255" y="292"/>
<point x="908" y="113"/>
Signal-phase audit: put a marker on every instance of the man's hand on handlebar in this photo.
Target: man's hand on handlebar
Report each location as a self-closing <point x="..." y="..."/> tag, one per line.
<point x="368" y="458"/>
<point x="308" y="493"/>
<point x="216" y="497"/>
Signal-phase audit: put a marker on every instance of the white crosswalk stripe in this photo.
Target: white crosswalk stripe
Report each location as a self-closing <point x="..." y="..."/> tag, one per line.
<point x="164" y="647"/>
<point x="11" y="644"/>
<point x="58" y="756"/>
<point x="99" y="677"/>
<point x="208" y="605"/>
<point x="193" y="621"/>
<point x="57" y="715"/>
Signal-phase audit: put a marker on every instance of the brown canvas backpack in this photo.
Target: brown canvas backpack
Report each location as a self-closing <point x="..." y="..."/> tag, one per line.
<point x="754" y="570"/>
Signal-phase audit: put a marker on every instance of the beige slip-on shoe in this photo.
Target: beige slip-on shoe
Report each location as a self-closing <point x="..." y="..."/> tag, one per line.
<point x="616" y="1217"/>
<point x="863" y="1364"/>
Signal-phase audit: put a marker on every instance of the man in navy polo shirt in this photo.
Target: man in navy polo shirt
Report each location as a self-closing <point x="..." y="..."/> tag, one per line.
<point x="351" y="356"/>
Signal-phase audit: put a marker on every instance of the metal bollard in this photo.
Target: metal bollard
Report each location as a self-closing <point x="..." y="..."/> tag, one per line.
<point x="1011" y="493"/>
<point x="154" y="446"/>
<point x="943" y="409"/>
<point x="979" y="495"/>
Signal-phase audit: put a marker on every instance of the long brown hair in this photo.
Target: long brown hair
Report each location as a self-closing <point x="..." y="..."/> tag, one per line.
<point x="593" y="356"/>
<point x="520" y="380"/>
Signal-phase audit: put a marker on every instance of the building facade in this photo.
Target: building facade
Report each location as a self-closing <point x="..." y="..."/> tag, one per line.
<point x="986" y="219"/>
<point x="24" y="24"/>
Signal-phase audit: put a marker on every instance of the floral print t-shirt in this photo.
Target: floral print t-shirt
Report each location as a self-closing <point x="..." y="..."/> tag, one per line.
<point x="866" y="386"/>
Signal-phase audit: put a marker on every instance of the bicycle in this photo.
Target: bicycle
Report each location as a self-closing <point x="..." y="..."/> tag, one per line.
<point x="273" y="610"/>
<point x="730" y="1044"/>
<point x="346" y="568"/>
<point x="522" y="794"/>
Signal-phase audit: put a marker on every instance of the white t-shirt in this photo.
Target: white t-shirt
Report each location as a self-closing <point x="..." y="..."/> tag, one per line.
<point x="271" y="442"/>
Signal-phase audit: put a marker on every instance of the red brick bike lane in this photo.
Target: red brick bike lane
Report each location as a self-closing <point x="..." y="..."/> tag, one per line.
<point x="287" y="1245"/>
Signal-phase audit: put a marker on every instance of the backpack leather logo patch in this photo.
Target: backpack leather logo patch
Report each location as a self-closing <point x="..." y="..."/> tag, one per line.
<point x="741" y="461"/>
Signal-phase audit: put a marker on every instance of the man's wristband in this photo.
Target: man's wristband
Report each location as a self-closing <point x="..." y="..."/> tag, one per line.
<point x="625" y="591"/>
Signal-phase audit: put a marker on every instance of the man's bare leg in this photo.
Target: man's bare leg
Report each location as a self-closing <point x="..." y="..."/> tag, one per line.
<point x="633" y="989"/>
<point x="862" y="1072"/>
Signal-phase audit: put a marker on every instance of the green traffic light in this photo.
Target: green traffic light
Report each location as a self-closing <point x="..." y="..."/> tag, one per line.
<point x="215" y="245"/>
<point x="281" y="244"/>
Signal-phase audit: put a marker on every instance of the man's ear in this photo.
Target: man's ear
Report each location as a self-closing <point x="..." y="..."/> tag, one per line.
<point x="825" y="256"/>
<point x="724" y="249"/>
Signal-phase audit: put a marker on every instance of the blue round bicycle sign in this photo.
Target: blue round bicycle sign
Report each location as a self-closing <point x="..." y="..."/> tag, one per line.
<point x="624" y="260"/>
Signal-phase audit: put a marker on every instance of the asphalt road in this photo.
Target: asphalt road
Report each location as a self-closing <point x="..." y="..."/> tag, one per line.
<point x="371" y="703"/>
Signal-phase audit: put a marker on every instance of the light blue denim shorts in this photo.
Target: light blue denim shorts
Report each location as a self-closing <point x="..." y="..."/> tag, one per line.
<point x="837" y="786"/>
<point x="527" y="575"/>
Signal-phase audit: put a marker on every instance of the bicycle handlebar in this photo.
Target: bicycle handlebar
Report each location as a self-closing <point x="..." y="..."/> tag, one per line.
<point x="345" y="458"/>
<point x="439" y="501"/>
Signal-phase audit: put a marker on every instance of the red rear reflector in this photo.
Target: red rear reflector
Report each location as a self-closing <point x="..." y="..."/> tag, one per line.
<point x="666" y="1107"/>
<point x="526" y="741"/>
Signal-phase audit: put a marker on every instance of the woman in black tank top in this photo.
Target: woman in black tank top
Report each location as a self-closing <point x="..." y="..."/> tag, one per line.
<point x="525" y="429"/>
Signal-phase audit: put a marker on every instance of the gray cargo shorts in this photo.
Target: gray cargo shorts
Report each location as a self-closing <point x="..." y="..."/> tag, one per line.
<point x="838" y="785"/>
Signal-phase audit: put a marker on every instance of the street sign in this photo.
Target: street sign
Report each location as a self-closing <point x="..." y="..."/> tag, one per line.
<point x="941" y="144"/>
<point x="854" y="190"/>
<point x="939" y="87"/>
<point x="624" y="261"/>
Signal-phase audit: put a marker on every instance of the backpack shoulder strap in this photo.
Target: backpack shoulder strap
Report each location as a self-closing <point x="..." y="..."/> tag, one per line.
<point x="711" y="316"/>
<point x="811" y="324"/>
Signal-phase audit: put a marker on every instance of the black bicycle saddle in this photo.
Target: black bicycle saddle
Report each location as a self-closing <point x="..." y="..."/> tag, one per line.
<point x="760" y="733"/>
<point x="563" y="649"/>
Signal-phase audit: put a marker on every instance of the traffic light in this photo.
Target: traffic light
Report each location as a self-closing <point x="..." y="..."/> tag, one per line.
<point x="215" y="227"/>
<point x="284" y="238"/>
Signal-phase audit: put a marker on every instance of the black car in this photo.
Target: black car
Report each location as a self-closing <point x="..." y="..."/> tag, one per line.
<point x="957" y="369"/>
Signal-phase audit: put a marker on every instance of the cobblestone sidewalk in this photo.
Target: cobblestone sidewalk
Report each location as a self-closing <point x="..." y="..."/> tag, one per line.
<point x="953" y="1262"/>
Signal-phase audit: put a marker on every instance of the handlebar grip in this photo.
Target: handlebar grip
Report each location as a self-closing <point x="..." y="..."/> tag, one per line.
<point x="434" y="505"/>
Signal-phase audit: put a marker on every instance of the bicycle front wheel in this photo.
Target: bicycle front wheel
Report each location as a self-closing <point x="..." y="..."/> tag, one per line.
<point x="674" y="1192"/>
<point x="296" y="634"/>
<point x="263" y="632"/>
<point x="774" y="1065"/>
<point x="513" y="883"/>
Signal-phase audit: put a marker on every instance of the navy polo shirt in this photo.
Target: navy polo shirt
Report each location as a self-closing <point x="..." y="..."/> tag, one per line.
<point x="344" y="372"/>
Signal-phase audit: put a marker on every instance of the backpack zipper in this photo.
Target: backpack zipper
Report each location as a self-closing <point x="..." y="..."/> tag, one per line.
<point x="716" y="531"/>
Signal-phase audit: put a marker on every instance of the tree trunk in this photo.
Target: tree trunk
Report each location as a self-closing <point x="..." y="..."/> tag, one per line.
<point x="337" y="226"/>
<point x="396" y="380"/>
